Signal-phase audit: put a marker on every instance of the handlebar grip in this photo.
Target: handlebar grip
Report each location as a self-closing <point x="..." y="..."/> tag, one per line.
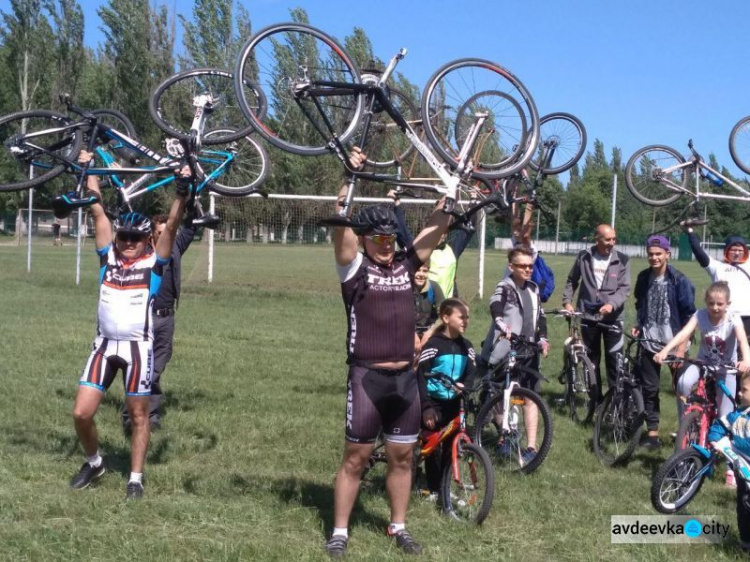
<point x="450" y="204"/>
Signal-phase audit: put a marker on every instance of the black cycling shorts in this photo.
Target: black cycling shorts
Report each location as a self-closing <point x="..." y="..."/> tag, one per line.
<point x="382" y="399"/>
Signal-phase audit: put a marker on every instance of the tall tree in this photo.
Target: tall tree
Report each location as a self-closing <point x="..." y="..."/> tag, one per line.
<point x="68" y="24"/>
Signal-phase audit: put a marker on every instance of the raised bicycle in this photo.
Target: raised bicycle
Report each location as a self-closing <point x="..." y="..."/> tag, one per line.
<point x="514" y="424"/>
<point x="468" y="482"/>
<point x="39" y="145"/>
<point x="739" y="144"/>
<point x="681" y="477"/>
<point x="317" y="101"/>
<point x="658" y="175"/>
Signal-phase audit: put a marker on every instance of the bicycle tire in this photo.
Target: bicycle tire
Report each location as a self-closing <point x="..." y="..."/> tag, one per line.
<point x="689" y="431"/>
<point x="15" y="169"/>
<point x="569" y="136"/>
<point x="495" y="102"/>
<point x="273" y="59"/>
<point x="739" y="144"/>
<point x="505" y="450"/>
<point x="592" y="387"/>
<point x="621" y="416"/>
<point x="120" y="122"/>
<point x="386" y="145"/>
<point x="580" y="405"/>
<point x="171" y="104"/>
<point x="450" y="88"/>
<point x="675" y="483"/>
<point x="470" y="498"/>
<point x="247" y="172"/>
<point x="646" y="184"/>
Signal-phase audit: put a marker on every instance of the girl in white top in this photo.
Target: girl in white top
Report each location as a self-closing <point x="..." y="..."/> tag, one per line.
<point x="721" y="332"/>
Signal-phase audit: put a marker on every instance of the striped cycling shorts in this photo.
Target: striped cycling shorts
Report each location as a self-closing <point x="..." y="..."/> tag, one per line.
<point x="134" y="358"/>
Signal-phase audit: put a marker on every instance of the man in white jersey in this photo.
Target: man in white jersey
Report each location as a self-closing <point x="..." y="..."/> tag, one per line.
<point x="129" y="276"/>
<point x="734" y="269"/>
<point x="603" y="274"/>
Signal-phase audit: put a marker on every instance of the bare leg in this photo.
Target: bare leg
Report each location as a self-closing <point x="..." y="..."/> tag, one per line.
<point x="347" y="481"/>
<point x="138" y="408"/>
<point x="86" y="405"/>
<point x="398" y="478"/>
<point x="531" y="420"/>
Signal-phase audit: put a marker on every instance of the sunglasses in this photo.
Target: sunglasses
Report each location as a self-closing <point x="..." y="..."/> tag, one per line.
<point x="382" y="239"/>
<point x="131" y="237"/>
<point x="523" y="265"/>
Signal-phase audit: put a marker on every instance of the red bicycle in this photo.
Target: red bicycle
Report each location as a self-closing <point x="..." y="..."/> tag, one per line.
<point x="468" y="482"/>
<point x="701" y="408"/>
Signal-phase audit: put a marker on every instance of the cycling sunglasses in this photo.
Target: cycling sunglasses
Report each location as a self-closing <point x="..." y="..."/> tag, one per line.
<point x="382" y="239"/>
<point x="131" y="237"/>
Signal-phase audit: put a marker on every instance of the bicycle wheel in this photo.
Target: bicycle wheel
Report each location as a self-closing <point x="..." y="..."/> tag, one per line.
<point x="619" y="424"/>
<point x="581" y="407"/>
<point x="119" y="151"/>
<point x="498" y="104"/>
<point x="509" y="448"/>
<point x="25" y="148"/>
<point x="653" y="176"/>
<point x="467" y="495"/>
<point x="689" y="431"/>
<point x="678" y="480"/>
<point x="286" y="61"/>
<point x="739" y="144"/>
<point x="386" y="145"/>
<point x="587" y="377"/>
<point x="565" y="134"/>
<point x="172" y="109"/>
<point x="247" y="171"/>
<point x="452" y="87"/>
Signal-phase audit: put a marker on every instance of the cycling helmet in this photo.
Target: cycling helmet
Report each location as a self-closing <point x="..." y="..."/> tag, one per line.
<point x="133" y="222"/>
<point x="375" y="219"/>
<point x="735" y="241"/>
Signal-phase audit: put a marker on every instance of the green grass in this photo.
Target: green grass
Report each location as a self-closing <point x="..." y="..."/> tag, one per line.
<point x="244" y="466"/>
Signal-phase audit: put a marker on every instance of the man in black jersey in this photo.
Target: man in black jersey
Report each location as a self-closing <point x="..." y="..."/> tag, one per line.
<point x="382" y="391"/>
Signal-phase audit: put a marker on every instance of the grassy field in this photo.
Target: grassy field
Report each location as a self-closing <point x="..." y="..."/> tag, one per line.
<point x="244" y="466"/>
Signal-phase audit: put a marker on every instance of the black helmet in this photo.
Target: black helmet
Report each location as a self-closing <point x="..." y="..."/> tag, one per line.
<point x="375" y="219"/>
<point x="133" y="222"/>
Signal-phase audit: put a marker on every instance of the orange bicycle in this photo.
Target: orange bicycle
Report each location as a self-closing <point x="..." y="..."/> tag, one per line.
<point x="468" y="482"/>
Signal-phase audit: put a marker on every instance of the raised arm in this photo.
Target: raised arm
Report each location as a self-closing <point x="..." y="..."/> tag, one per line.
<point x="102" y="224"/>
<point x="430" y="235"/>
<point x="700" y="254"/>
<point x="345" y="243"/>
<point x="166" y="240"/>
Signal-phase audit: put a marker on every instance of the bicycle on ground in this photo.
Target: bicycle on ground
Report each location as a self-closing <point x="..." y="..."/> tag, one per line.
<point x="578" y="373"/>
<point x="318" y="101"/>
<point x="681" y="477"/>
<point x="468" y="481"/>
<point x="514" y="424"/>
<point x="621" y="415"/>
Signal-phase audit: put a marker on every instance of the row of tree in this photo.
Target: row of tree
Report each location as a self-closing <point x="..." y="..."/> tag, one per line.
<point x="42" y="53"/>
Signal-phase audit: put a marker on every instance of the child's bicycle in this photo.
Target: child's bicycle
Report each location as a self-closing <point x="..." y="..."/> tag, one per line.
<point x="468" y="482"/>
<point x="701" y="408"/>
<point x="514" y="424"/>
<point x="680" y="478"/>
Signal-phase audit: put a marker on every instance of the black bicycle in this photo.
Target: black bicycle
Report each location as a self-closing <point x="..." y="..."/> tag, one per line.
<point x="620" y="416"/>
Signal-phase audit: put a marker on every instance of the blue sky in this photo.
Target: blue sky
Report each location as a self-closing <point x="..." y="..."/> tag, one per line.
<point x="635" y="72"/>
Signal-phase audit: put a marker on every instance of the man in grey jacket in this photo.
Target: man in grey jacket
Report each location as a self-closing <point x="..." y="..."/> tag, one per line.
<point x="603" y="275"/>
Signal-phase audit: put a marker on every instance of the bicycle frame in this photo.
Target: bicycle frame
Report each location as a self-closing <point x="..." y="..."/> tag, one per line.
<point x="697" y="166"/>
<point x="377" y="93"/>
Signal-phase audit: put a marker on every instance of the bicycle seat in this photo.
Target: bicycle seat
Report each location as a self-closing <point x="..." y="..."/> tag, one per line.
<point x="208" y="221"/>
<point x="64" y="205"/>
<point x="693" y="222"/>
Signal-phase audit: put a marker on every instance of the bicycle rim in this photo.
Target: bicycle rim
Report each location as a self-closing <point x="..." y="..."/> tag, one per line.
<point x="677" y="481"/>
<point x="647" y="179"/>
<point x="281" y="59"/>
<point x="468" y="497"/>
<point x="618" y="427"/>
<point x="565" y="134"/>
<point x="463" y="87"/>
<point x="386" y="145"/>
<point x="21" y="158"/>
<point x="172" y="109"/>
<point x="247" y="171"/>
<point x="739" y="144"/>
